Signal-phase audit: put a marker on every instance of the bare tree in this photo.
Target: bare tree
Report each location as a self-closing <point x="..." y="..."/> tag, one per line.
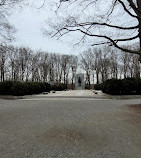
<point x="96" y="63"/>
<point x="65" y="64"/>
<point x="57" y="65"/>
<point x="130" y="65"/>
<point x="104" y="65"/>
<point x="105" y="22"/>
<point x="35" y="66"/>
<point x="73" y="65"/>
<point x="6" y="30"/>
<point x="44" y="66"/>
<point x="24" y="59"/>
<point x="3" y="54"/>
<point x="86" y="65"/>
<point x="114" y="64"/>
<point x="22" y="64"/>
<point x="12" y="58"/>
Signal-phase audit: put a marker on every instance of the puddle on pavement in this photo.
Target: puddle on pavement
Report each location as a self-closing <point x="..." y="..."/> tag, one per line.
<point x="62" y="134"/>
<point x="94" y="139"/>
<point x="135" y="108"/>
<point x="131" y="114"/>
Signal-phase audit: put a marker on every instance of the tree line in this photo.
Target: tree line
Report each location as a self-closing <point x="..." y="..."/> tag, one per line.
<point x="23" y="64"/>
<point x="99" y="64"/>
<point x="103" y="63"/>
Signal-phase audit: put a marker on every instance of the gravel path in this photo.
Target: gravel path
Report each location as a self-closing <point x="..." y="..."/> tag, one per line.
<point x="69" y="128"/>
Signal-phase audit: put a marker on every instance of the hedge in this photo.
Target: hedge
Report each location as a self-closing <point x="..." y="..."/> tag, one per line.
<point x="23" y="88"/>
<point x="59" y="87"/>
<point x="28" y="88"/>
<point x="128" y="86"/>
<point x="98" y="86"/>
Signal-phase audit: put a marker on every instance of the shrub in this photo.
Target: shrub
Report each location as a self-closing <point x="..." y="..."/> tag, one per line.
<point x="138" y="86"/>
<point x="59" y="87"/>
<point x="112" y="86"/>
<point x="129" y="85"/>
<point x="23" y="88"/>
<point x="122" y="87"/>
<point x="19" y="89"/>
<point x="5" y="87"/>
<point x="98" y="86"/>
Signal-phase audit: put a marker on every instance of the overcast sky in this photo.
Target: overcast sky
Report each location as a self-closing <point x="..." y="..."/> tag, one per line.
<point x="29" y="22"/>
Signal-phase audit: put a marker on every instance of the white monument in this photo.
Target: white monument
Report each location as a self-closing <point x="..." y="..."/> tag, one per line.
<point x="79" y="81"/>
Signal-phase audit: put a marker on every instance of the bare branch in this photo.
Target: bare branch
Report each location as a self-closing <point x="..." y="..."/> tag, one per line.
<point x="104" y="24"/>
<point x="117" y="40"/>
<point x="137" y="11"/>
<point x="114" y="42"/>
<point x="112" y="8"/>
<point x="44" y="1"/>
<point x="126" y="9"/>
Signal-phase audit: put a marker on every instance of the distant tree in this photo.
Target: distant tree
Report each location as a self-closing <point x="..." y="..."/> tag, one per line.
<point x="114" y="64"/>
<point x="65" y="64"/>
<point x="130" y="65"/>
<point x="86" y="64"/>
<point x="44" y="65"/>
<point x="35" y="65"/>
<point x="96" y="64"/>
<point x="24" y="61"/>
<point x="3" y="54"/>
<point x="13" y="62"/>
<point x="74" y="66"/>
<point x="105" y="64"/>
<point x="58" y="69"/>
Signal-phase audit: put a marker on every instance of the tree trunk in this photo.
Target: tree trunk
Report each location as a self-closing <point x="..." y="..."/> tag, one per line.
<point x="64" y="76"/>
<point x="93" y="81"/>
<point x="97" y="77"/>
<point x="72" y="81"/>
<point x="89" y="82"/>
<point x="139" y="20"/>
<point x="2" y="72"/>
<point x="60" y="77"/>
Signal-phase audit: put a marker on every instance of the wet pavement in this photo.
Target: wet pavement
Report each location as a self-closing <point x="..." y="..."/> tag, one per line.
<point x="70" y="128"/>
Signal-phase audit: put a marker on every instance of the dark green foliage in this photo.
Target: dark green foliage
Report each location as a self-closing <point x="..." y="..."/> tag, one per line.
<point x="5" y="87"/>
<point x="28" y="88"/>
<point x="129" y="85"/>
<point x="98" y="86"/>
<point x="112" y="86"/>
<point x="23" y="88"/>
<point x="59" y="87"/>
<point x="138" y="86"/>
<point x="122" y="87"/>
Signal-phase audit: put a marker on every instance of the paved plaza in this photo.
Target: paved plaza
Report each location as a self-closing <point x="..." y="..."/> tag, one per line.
<point x="47" y="127"/>
<point x="72" y="94"/>
<point x="83" y="93"/>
